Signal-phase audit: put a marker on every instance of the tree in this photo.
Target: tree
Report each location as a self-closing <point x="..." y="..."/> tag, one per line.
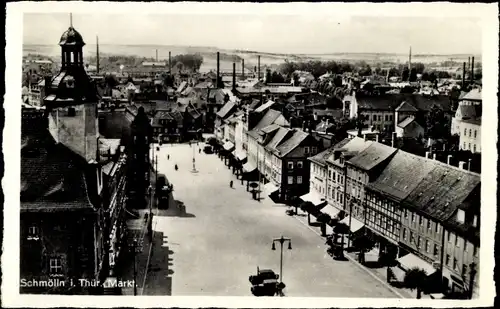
<point x="415" y="279"/>
<point x="324" y="219"/>
<point x="295" y="202"/>
<point x="413" y="75"/>
<point x="340" y="229"/>
<point x="268" y="76"/>
<point x="419" y="67"/>
<point x="405" y="74"/>
<point x="437" y="124"/>
<point x="307" y="207"/>
<point x="365" y="244"/>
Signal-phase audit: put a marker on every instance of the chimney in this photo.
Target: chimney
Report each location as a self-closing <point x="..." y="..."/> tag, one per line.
<point x="449" y="159"/>
<point x="156" y="55"/>
<point x="472" y="71"/>
<point x="97" y="54"/>
<point x="463" y="77"/>
<point x="258" y="67"/>
<point x="393" y="142"/>
<point x="218" y="70"/>
<point x="434" y="157"/>
<point x="243" y="68"/>
<point x="469" y="163"/>
<point x="427" y="153"/>
<point x="234" y="76"/>
<point x="461" y="165"/>
<point x="170" y="62"/>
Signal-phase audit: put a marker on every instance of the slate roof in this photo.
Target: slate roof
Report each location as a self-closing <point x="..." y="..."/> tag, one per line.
<point x="253" y="105"/>
<point x="224" y="111"/>
<point x="355" y="145"/>
<point x="52" y="176"/>
<point x="372" y="156"/>
<point x="470" y="111"/>
<point x="476" y="121"/>
<point x="402" y="175"/>
<point x="277" y="139"/>
<point x="392" y="101"/>
<point x="406" y="122"/>
<point x="265" y="106"/>
<point x="270" y="128"/>
<point x="406" y="107"/>
<point x="442" y="190"/>
<point x="293" y="142"/>
<point x="321" y="157"/>
<point x="269" y="117"/>
<point x="473" y="95"/>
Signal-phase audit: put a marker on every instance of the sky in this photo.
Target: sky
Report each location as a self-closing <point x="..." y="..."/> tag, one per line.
<point x="266" y="33"/>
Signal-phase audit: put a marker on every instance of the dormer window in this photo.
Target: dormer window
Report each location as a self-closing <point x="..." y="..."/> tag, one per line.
<point x="461" y="216"/>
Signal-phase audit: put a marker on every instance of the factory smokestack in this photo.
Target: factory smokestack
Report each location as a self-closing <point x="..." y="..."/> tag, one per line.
<point x="156" y="55"/>
<point x="463" y="78"/>
<point x="243" y="68"/>
<point x="468" y="65"/>
<point x="409" y="61"/>
<point x="234" y="76"/>
<point x="97" y="54"/>
<point x="218" y="68"/>
<point x="258" y="67"/>
<point x="170" y="62"/>
<point x="472" y="71"/>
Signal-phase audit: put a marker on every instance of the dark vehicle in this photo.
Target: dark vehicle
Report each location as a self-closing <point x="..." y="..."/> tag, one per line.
<point x="208" y="149"/>
<point x="163" y="190"/>
<point x="265" y="283"/>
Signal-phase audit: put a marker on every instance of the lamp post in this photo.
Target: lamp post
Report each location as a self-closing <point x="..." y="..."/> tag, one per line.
<point x="281" y="241"/>
<point x="134" y="248"/>
<point x="194" y="161"/>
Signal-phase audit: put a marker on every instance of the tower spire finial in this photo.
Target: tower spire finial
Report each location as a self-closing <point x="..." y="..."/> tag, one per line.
<point x="71" y="20"/>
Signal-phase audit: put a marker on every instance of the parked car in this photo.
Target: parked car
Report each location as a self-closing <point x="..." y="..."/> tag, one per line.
<point x="208" y="149"/>
<point x="264" y="283"/>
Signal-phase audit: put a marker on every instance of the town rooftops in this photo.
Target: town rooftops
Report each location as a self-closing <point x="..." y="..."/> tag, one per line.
<point x="278" y="138"/>
<point x="52" y="176"/>
<point x="406" y="122"/>
<point x="323" y="126"/>
<point x="469" y="111"/>
<point x="269" y="117"/>
<point x="354" y="144"/>
<point x="265" y="106"/>
<point x="154" y="64"/>
<point x="270" y="128"/>
<point x="402" y="175"/>
<point x="224" y="111"/>
<point x="406" y="107"/>
<point x="290" y="144"/>
<point x="372" y="156"/>
<point x="321" y="157"/>
<point x="442" y="191"/>
<point x="473" y="95"/>
<point x="392" y="101"/>
<point x="476" y="121"/>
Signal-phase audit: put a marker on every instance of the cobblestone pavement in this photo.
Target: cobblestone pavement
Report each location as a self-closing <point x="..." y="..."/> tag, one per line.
<point x="212" y="246"/>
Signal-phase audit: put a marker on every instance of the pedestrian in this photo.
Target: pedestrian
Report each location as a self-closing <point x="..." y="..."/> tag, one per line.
<point x="168" y="157"/>
<point x="231" y="184"/>
<point x="176" y="167"/>
<point x="199" y="150"/>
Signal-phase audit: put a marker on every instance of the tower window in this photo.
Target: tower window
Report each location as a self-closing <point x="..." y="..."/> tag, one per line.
<point x="71" y="112"/>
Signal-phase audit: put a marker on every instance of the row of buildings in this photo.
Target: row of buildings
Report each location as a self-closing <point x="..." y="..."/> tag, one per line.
<point x="76" y="190"/>
<point x="421" y="212"/>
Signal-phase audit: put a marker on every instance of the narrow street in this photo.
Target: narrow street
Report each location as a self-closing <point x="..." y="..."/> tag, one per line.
<point x="212" y="248"/>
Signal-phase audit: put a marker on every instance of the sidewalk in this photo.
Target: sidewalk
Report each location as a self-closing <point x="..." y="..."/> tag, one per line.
<point x="378" y="273"/>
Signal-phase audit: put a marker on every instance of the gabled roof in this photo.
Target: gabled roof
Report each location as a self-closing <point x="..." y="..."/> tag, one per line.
<point x="355" y="144"/>
<point x="321" y="157"/>
<point x="442" y="190"/>
<point x="323" y="126"/>
<point x="293" y="142"/>
<point x="265" y="106"/>
<point x="402" y="175"/>
<point x="270" y="128"/>
<point x="52" y="176"/>
<point x="473" y="95"/>
<point x="224" y="111"/>
<point x="406" y="107"/>
<point x="269" y="117"/>
<point x="406" y="122"/>
<point x="372" y="156"/>
<point x="277" y="139"/>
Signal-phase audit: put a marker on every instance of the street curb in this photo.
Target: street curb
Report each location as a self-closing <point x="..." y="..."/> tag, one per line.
<point x="358" y="264"/>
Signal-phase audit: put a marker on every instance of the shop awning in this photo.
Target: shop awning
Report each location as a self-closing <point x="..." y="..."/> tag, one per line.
<point x="410" y="261"/>
<point x="314" y="198"/>
<point x="228" y="146"/>
<point x="240" y="155"/>
<point x="398" y="273"/>
<point x="330" y="210"/>
<point x="270" y="188"/>
<point x="356" y="225"/>
<point x="249" y="167"/>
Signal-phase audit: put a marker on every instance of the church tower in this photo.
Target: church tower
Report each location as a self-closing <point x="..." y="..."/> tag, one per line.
<point x="71" y="100"/>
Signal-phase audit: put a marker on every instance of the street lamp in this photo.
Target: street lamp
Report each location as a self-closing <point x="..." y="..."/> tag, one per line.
<point x="281" y="241"/>
<point x="194" y="161"/>
<point x="135" y="251"/>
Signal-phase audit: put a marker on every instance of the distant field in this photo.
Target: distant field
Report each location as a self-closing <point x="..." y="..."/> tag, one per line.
<point x="209" y="55"/>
